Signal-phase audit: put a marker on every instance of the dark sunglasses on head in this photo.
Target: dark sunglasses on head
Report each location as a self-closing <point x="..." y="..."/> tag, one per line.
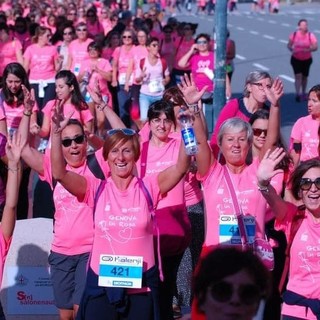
<point x="306" y="183"/>
<point x="126" y="131"/>
<point x="68" y="141"/>
<point x="257" y="132"/>
<point x="248" y="293"/>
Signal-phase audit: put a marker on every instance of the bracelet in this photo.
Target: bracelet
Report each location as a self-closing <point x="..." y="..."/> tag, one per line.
<point x="102" y="106"/>
<point x="193" y="107"/>
<point x="27" y="113"/>
<point x="13" y="169"/>
<point x="264" y="188"/>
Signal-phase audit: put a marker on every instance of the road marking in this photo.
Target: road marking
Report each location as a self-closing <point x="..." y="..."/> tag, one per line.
<point x="254" y="32"/>
<point x="268" y="37"/>
<point x="240" y="57"/>
<point x="260" y="66"/>
<point x="285" y="24"/>
<point x="316" y="31"/>
<point x="283" y="41"/>
<point x="240" y="28"/>
<point x="272" y="21"/>
<point x="283" y="76"/>
<point x="260" y="19"/>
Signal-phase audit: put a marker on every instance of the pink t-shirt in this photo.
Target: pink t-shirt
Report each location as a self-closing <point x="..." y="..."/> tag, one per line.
<point x="123" y="223"/>
<point x="14" y="114"/>
<point x="300" y="43"/>
<point x="182" y="47"/>
<point x="222" y="227"/>
<point x="140" y="52"/>
<point x="167" y="53"/>
<point x="304" y="272"/>
<point x="152" y="84"/>
<point x="95" y="77"/>
<point x="198" y="64"/>
<point x="83" y="116"/>
<point x="305" y="130"/>
<point x="41" y="61"/>
<point x="123" y="57"/>
<point x="78" y="51"/>
<point x="95" y="29"/>
<point x="73" y="225"/>
<point x="8" y="53"/>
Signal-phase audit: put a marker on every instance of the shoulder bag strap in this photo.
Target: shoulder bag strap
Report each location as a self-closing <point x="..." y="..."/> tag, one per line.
<point x="94" y="166"/>
<point x="238" y="210"/>
<point x="153" y="215"/>
<point x="143" y="161"/>
<point x="295" y="225"/>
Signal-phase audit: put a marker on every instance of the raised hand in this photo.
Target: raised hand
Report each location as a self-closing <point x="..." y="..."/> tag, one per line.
<point x="29" y="98"/>
<point x="275" y="92"/>
<point x="95" y="93"/>
<point x="59" y="121"/>
<point x="14" y="147"/>
<point x="266" y="169"/>
<point x="189" y="90"/>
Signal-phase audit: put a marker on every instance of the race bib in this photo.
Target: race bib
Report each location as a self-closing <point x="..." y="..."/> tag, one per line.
<point x="229" y="229"/>
<point x="155" y="86"/>
<point x="122" y="79"/>
<point x="120" y="271"/>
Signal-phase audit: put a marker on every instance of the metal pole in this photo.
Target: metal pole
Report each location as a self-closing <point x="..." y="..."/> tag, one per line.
<point x="220" y="35"/>
<point x="133" y="6"/>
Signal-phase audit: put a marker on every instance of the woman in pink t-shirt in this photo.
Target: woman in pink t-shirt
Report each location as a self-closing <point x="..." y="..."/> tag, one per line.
<point x="302" y="43"/>
<point x="96" y="71"/>
<point x="122" y="60"/>
<point x="235" y="138"/>
<point x="111" y="43"/>
<point x="123" y="227"/>
<point x="68" y="91"/>
<point x="94" y="26"/>
<point x="301" y="226"/>
<point x="304" y="138"/>
<point x="41" y="61"/>
<point x="10" y="49"/>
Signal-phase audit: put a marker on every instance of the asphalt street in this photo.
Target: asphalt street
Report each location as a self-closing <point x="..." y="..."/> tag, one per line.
<point x="261" y="43"/>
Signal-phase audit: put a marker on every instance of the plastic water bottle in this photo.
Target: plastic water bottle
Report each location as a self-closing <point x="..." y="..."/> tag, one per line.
<point x="188" y="136"/>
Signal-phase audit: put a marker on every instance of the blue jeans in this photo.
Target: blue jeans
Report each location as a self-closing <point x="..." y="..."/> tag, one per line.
<point x="145" y="101"/>
<point x="124" y="101"/>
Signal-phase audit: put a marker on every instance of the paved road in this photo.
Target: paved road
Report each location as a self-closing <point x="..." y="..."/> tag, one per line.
<point x="261" y="44"/>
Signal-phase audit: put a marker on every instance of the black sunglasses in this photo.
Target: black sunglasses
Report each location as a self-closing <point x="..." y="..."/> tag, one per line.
<point x="257" y="132"/>
<point x="248" y="293"/>
<point x="306" y="183"/>
<point x="126" y="131"/>
<point x="68" y="141"/>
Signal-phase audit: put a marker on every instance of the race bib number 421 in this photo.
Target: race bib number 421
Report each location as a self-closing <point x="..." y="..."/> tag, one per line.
<point x="120" y="271"/>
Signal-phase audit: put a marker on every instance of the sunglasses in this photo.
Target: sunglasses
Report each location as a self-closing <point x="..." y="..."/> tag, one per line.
<point x="257" y="132"/>
<point x="306" y="183"/>
<point x="82" y="30"/>
<point x="126" y="37"/>
<point x="67" y="33"/>
<point x="202" y="42"/>
<point x="261" y="86"/>
<point x="68" y="141"/>
<point x="125" y="131"/>
<point x="222" y="292"/>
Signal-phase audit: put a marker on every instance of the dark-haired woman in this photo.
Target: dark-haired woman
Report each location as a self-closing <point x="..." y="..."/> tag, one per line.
<point x="41" y="62"/>
<point x="98" y="72"/>
<point x="68" y="91"/>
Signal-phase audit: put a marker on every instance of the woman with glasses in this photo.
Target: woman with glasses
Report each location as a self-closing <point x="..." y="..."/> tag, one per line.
<point x="182" y="45"/>
<point x="105" y="15"/>
<point x="153" y="75"/>
<point x="124" y="227"/>
<point x="68" y="34"/>
<point x="94" y="26"/>
<point x="230" y="284"/>
<point x="254" y="98"/>
<point x="78" y="48"/>
<point x="304" y="138"/>
<point x="73" y="227"/>
<point x="122" y="61"/>
<point x="41" y="61"/>
<point x="301" y="225"/>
